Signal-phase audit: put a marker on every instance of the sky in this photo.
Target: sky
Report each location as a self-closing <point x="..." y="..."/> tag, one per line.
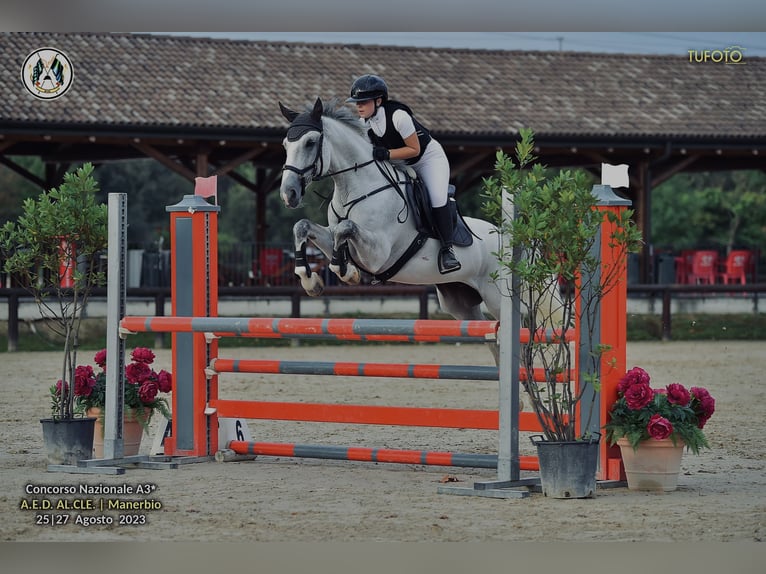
<point x="414" y="16"/>
<point x="753" y="43"/>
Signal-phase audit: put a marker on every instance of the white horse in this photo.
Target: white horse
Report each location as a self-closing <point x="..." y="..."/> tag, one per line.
<point x="370" y="225"/>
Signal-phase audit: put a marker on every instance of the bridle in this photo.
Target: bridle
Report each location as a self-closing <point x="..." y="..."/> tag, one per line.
<point x="316" y="167"/>
<point x="304" y="124"/>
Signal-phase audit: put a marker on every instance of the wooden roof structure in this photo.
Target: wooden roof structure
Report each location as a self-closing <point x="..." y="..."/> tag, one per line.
<point x="205" y="106"/>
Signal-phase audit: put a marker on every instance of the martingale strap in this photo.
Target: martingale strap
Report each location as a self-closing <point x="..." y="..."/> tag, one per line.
<point x="414" y="247"/>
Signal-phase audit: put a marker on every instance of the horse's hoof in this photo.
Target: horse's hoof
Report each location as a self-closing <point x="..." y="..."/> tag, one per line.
<point x="352" y="276"/>
<point x="313" y="285"/>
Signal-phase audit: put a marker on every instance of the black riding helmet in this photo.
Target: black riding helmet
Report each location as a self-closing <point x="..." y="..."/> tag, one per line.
<point x="368" y="87"/>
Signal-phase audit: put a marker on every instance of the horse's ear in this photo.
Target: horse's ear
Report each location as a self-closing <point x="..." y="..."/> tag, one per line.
<point x="288" y="113"/>
<point x="316" y="113"/>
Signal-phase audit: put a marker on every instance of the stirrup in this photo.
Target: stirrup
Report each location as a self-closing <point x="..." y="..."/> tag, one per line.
<point x="447" y="261"/>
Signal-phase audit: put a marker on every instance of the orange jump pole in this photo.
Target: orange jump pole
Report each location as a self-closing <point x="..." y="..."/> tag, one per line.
<point x="367" y="454"/>
<point x="194" y="288"/>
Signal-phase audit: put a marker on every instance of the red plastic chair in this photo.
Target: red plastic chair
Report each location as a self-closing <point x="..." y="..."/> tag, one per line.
<point x="704" y="267"/>
<point x="736" y="267"/>
<point x="684" y="266"/>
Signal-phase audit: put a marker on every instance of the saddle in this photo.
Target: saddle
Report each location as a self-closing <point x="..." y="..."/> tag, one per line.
<point x="419" y="203"/>
<point x="420" y="209"/>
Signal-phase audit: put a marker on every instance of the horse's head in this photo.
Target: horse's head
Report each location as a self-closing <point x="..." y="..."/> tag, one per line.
<point x="303" y="145"/>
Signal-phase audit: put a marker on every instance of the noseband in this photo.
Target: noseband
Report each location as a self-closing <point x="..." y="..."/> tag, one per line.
<point x="302" y="125"/>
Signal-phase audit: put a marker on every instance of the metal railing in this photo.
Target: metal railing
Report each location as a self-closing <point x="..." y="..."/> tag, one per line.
<point x="296" y="295"/>
<point x="667" y="290"/>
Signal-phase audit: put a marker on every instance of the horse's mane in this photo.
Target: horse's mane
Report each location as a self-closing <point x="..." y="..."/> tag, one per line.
<point x="335" y="109"/>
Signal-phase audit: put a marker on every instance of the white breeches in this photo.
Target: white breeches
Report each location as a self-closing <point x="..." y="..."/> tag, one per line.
<point x="433" y="170"/>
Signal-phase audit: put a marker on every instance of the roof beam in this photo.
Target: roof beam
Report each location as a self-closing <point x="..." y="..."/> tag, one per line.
<point x="23" y="172"/>
<point x="165" y="160"/>
<point x="240" y="159"/>
<point x="471" y="161"/>
<point x="679" y="166"/>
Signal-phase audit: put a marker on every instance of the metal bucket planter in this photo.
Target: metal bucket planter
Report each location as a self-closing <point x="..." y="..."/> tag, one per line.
<point x="67" y="441"/>
<point x="567" y="468"/>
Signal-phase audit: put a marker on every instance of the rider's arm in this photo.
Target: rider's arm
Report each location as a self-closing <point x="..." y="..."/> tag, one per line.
<point x="403" y="123"/>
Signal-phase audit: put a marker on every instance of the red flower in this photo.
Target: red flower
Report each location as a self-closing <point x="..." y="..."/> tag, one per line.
<point x="677" y="394"/>
<point x="637" y="396"/>
<point x="142" y="355"/>
<point x="84" y="380"/>
<point x="148" y="391"/>
<point x="165" y="381"/>
<point x="100" y="359"/>
<point x="659" y="427"/>
<point x="58" y="386"/>
<point x="138" y="372"/>
<point x="635" y="376"/>
<point x="703" y="405"/>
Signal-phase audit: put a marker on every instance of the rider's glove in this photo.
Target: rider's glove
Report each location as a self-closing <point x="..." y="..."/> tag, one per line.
<point x="381" y="153"/>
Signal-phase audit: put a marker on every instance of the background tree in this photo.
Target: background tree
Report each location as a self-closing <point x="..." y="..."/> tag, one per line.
<point x="722" y="210"/>
<point x="58" y="236"/>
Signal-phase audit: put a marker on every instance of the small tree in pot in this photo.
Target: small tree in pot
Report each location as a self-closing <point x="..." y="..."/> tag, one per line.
<point x="52" y="250"/>
<point x="556" y="226"/>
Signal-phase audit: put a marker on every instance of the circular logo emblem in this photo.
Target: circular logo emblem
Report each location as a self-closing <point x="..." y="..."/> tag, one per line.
<point x="47" y="73"/>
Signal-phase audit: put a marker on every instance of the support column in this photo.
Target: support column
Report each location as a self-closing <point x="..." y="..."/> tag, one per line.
<point x="194" y="289"/>
<point x="610" y="328"/>
<point x="117" y="252"/>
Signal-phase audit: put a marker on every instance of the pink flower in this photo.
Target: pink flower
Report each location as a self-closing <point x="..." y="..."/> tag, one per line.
<point x="142" y="355"/>
<point x="138" y="372"/>
<point x="165" y="381"/>
<point x="635" y="376"/>
<point x="84" y="380"/>
<point x="677" y="394"/>
<point x="100" y="359"/>
<point x="637" y="396"/>
<point x="148" y="391"/>
<point x="58" y="386"/>
<point x="659" y="427"/>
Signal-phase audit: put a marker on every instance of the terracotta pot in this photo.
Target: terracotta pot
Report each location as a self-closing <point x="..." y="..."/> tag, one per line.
<point x="132" y="432"/>
<point x="654" y="466"/>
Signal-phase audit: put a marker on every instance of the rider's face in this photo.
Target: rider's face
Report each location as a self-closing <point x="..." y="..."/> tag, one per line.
<point x="365" y="109"/>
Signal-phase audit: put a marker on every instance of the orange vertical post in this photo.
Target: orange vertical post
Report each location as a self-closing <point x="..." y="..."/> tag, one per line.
<point x="194" y="289"/>
<point x="612" y="325"/>
<point x="604" y="326"/>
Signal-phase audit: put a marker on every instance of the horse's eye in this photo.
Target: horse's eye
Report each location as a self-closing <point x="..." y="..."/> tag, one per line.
<point x="310" y="143"/>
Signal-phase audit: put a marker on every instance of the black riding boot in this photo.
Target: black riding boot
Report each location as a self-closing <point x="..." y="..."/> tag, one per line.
<point x="447" y="260"/>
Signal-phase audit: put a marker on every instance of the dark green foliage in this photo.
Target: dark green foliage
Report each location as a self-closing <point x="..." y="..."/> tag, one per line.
<point x="63" y="224"/>
<point x="555" y="228"/>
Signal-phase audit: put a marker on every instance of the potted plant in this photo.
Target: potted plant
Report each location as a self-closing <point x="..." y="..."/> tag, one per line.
<point x="143" y="386"/>
<point x="52" y="250"/>
<point x="652" y="427"/>
<point x="556" y="226"/>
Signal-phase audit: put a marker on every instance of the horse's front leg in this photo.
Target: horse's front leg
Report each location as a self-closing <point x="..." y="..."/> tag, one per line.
<point x="303" y="232"/>
<point x="368" y="251"/>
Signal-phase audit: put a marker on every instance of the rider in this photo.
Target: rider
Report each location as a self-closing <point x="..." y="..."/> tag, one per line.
<point x="397" y="135"/>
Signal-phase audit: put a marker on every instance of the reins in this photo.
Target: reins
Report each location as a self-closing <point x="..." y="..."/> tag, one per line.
<point x="317" y="167"/>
